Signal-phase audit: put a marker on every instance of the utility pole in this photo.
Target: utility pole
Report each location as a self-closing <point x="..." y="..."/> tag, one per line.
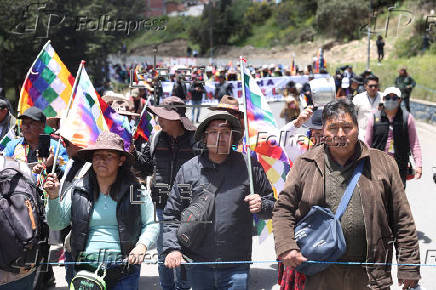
<point x="211" y="2"/>
<point x="369" y="36"/>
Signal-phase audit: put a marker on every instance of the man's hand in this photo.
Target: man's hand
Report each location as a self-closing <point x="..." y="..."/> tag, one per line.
<point x="50" y="160"/>
<point x="418" y="173"/>
<point x="174" y="259"/>
<point x="303" y="117"/>
<point x="407" y="284"/>
<point x="292" y="258"/>
<point x="254" y="202"/>
<point x="137" y="255"/>
<point x="52" y="186"/>
<point x="38" y="168"/>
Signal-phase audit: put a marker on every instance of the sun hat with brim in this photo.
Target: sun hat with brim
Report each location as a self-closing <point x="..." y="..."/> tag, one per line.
<point x="220" y="115"/>
<point x="173" y="109"/>
<point x="106" y="141"/>
<point x="226" y="102"/>
<point x="315" y="122"/>
<point x="392" y="90"/>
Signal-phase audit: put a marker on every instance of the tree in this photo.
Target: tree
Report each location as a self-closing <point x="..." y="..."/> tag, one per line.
<point x="71" y="31"/>
<point x="342" y="19"/>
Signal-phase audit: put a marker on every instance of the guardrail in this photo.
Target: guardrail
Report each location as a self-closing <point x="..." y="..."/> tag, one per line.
<point x="423" y="110"/>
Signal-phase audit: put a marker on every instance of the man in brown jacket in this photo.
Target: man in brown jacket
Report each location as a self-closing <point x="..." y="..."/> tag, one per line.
<point x="377" y="217"/>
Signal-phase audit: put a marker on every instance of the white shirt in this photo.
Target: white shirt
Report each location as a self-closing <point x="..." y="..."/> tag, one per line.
<point x="365" y="107"/>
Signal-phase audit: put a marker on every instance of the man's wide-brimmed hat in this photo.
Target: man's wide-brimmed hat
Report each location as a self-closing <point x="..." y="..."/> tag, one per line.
<point x="106" y="141"/>
<point x="220" y="115"/>
<point x="227" y="103"/>
<point x="172" y="108"/>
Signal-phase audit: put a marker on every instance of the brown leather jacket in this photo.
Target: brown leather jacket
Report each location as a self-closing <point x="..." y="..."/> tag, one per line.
<point x="386" y="212"/>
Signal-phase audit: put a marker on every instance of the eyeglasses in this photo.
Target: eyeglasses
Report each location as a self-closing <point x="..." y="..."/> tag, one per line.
<point x="391" y="97"/>
<point x="373" y="86"/>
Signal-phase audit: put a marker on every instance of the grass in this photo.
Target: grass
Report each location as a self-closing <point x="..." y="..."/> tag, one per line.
<point x="421" y="68"/>
<point x="176" y="28"/>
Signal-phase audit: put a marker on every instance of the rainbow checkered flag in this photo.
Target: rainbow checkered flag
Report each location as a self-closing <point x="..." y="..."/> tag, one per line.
<point x="85" y="120"/>
<point x="271" y="155"/>
<point x="48" y="84"/>
<point x="146" y="126"/>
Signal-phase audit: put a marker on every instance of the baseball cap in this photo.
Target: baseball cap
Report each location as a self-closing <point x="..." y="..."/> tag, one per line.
<point x="392" y="90"/>
<point x="33" y="113"/>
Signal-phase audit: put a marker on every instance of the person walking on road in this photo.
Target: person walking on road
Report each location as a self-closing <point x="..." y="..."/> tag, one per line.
<point x="380" y="48"/>
<point x="393" y="130"/>
<point x="367" y="103"/>
<point x="406" y="84"/>
<point x="378" y="206"/>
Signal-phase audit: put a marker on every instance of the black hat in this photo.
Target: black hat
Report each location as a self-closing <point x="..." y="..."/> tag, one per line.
<point x="219" y="115"/>
<point x="316" y="121"/>
<point x="33" y="113"/>
<point x="357" y="79"/>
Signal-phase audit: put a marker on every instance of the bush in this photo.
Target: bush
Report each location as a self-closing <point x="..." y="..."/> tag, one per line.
<point x="342" y="19"/>
<point x="257" y="13"/>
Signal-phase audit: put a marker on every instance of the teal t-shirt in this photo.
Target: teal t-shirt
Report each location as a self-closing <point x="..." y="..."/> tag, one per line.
<point x="103" y="238"/>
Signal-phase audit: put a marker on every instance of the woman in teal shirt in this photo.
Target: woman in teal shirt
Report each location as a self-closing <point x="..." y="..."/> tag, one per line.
<point x="110" y="220"/>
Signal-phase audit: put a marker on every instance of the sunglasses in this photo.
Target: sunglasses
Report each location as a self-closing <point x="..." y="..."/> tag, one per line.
<point x="373" y="86"/>
<point x="391" y="97"/>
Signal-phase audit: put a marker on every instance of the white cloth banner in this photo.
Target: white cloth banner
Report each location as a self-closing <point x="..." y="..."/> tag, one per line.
<point x="272" y="87"/>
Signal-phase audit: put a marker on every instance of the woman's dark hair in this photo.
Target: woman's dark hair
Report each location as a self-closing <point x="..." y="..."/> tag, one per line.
<point x="125" y="176"/>
<point x="371" y="78"/>
<point x="339" y="107"/>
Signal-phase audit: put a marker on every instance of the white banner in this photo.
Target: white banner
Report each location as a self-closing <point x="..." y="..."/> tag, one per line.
<point x="272" y="87"/>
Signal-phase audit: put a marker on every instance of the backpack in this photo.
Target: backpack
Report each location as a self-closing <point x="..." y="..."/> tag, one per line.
<point x="195" y="219"/>
<point x="22" y="228"/>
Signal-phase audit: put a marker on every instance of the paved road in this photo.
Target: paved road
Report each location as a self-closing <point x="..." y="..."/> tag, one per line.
<point x="420" y="193"/>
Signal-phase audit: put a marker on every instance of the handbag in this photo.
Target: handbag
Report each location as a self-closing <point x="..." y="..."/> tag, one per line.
<point x="319" y="234"/>
<point x="87" y="280"/>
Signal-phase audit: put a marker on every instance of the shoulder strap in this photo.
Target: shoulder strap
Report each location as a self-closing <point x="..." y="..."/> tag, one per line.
<point x="153" y="142"/>
<point x="349" y="191"/>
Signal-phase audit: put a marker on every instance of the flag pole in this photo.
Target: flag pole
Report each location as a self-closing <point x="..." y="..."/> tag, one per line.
<point x="73" y="91"/>
<point x="19" y="111"/>
<point x="247" y="136"/>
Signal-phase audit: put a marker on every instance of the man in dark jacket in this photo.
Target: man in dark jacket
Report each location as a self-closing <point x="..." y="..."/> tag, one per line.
<point x="179" y="89"/>
<point x="406" y="84"/>
<point x="377" y="217"/>
<point x="222" y="88"/>
<point x="162" y="157"/>
<point x="224" y="175"/>
<point x="197" y="91"/>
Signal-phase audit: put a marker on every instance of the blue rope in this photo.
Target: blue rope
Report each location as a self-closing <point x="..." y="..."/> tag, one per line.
<point x="244" y="262"/>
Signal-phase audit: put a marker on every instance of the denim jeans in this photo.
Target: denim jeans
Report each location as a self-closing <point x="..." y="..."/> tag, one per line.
<point x="196" y="109"/>
<point x="25" y="283"/>
<point x="130" y="282"/>
<point x="166" y="275"/>
<point x="204" y="277"/>
<point x="69" y="268"/>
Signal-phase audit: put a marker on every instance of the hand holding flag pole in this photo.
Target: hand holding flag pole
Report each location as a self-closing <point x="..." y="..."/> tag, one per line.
<point x="73" y="91"/>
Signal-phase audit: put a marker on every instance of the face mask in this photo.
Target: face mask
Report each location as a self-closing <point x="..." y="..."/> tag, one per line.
<point x="390" y="105"/>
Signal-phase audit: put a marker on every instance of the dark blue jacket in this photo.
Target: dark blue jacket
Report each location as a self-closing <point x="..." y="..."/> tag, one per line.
<point x="229" y="237"/>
